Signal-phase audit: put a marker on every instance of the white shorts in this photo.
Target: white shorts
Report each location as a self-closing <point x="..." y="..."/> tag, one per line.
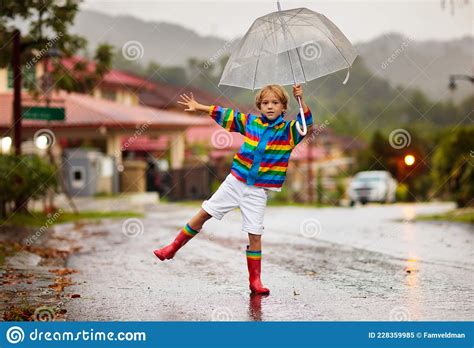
<point x="234" y="193"/>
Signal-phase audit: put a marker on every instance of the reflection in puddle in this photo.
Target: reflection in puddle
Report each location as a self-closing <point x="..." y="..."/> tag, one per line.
<point x="411" y="270"/>
<point x="255" y="306"/>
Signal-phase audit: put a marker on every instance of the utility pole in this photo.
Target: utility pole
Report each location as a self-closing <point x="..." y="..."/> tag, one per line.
<point x="16" y="67"/>
<point x="453" y="78"/>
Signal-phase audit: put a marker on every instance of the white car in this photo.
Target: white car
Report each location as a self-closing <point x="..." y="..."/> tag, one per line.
<point x="372" y="186"/>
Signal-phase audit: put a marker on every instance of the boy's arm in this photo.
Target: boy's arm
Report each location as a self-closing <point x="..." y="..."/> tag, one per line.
<point x="229" y="119"/>
<point x="295" y="136"/>
<point x="203" y="108"/>
<point x="233" y="121"/>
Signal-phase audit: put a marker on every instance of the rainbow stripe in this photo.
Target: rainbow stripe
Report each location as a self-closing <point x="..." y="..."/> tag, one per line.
<point x="187" y="230"/>
<point x="262" y="160"/>
<point x="254" y="255"/>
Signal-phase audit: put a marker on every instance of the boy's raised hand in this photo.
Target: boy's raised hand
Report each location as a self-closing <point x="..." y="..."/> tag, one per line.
<point x="189" y="102"/>
<point x="298" y="91"/>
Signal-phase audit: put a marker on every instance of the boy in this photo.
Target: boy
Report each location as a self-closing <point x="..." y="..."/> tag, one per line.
<point x="260" y="165"/>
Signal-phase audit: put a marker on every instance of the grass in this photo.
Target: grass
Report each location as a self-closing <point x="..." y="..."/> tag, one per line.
<point x="35" y="219"/>
<point x="465" y="215"/>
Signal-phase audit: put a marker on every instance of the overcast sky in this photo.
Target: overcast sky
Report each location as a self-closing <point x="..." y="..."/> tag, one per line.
<point x="359" y="20"/>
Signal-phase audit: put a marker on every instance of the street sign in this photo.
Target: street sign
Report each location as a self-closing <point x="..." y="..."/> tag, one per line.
<point x="43" y="113"/>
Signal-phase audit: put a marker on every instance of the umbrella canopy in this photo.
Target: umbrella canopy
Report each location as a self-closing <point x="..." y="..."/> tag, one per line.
<point x="288" y="47"/>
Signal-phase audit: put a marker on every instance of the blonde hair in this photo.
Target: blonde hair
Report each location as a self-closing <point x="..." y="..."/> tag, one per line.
<point x="277" y="90"/>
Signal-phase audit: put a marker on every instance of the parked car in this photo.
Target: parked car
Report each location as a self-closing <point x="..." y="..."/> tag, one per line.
<point x="372" y="186"/>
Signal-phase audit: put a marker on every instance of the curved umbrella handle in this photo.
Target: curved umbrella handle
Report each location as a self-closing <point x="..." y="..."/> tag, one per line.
<point x="300" y="130"/>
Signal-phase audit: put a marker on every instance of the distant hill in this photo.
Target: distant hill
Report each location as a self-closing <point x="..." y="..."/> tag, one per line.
<point x="423" y="64"/>
<point x="172" y="44"/>
<point x="165" y="43"/>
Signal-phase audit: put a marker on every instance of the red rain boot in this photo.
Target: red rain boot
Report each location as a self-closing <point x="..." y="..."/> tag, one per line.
<point x="182" y="238"/>
<point x="254" y="264"/>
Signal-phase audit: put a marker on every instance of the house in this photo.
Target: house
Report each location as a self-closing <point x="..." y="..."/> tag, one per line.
<point x="110" y="119"/>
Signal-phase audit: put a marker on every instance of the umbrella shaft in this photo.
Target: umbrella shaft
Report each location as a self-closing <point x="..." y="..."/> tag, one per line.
<point x="283" y="25"/>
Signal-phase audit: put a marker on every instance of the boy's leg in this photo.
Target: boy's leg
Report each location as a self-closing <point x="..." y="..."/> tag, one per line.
<point x="222" y="201"/>
<point x="254" y="264"/>
<point x="253" y="211"/>
<point x="255" y="242"/>
<point x="191" y="229"/>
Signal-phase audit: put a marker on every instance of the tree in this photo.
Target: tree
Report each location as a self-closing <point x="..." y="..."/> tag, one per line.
<point x="453" y="166"/>
<point x="48" y="23"/>
<point x="382" y="155"/>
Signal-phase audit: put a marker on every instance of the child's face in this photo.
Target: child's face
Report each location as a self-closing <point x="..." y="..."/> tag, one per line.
<point x="271" y="106"/>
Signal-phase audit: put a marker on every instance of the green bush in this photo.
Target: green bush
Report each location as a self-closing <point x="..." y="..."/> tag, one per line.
<point x="401" y="193"/>
<point x="22" y="178"/>
<point x="453" y="166"/>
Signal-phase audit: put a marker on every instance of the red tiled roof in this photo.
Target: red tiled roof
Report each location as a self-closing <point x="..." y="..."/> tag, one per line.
<point x="86" y="111"/>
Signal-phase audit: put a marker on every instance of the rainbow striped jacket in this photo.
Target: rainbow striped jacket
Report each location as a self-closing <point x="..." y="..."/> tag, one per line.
<point x="262" y="160"/>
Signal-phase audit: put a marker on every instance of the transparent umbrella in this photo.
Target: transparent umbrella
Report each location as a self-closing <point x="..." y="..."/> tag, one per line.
<point x="288" y="47"/>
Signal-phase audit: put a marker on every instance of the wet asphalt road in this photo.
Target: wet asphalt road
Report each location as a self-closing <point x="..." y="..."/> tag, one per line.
<point x="362" y="263"/>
